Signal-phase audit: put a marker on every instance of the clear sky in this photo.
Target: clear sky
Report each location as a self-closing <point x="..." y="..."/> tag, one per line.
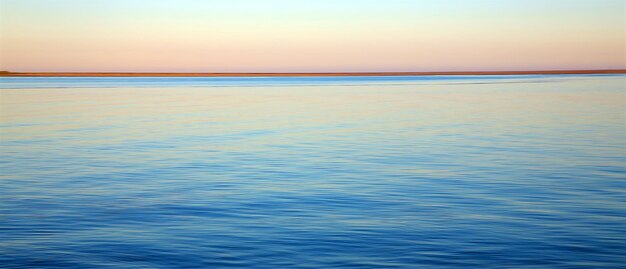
<point x="311" y="35"/>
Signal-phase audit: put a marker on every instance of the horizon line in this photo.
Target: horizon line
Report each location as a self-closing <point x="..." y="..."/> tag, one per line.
<point x="293" y="74"/>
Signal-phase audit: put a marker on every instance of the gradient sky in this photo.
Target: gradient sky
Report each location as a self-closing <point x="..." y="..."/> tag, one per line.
<point x="310" y="35"/>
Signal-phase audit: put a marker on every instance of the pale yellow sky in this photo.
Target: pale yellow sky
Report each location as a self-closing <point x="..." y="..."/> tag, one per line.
<point x="307" y="35"/>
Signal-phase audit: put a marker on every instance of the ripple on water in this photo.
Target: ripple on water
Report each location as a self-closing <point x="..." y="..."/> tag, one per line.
<point x="156" y="174"/>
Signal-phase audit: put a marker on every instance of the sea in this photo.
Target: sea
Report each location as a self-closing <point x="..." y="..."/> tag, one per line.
<point x="520" y="171"/>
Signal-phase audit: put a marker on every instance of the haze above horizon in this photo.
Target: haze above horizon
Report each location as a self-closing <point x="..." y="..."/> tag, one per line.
<point x="310" y="36"/>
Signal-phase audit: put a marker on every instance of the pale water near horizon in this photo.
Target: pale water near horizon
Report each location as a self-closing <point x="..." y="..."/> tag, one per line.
<point x="349" y="172"/>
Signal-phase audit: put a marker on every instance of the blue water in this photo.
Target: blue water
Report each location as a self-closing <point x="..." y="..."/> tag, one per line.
<point x="370" y="172"/>
<point x="115" y="82"/>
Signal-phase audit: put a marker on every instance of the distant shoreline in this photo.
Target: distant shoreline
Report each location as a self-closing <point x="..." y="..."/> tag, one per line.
<point x="312" y="74"/>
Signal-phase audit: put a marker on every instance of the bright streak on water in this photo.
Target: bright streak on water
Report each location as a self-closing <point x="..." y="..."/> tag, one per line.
<point x="427" y="172"/>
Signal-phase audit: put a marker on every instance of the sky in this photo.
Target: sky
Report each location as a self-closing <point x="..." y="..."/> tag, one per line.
<point x="311" y="35"/>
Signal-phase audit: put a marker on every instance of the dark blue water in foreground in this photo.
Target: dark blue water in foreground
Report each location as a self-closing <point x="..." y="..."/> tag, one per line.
<point x="413" y="172"/>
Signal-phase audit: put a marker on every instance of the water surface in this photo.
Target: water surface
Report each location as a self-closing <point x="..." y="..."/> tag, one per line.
<point x="382" y="172"/>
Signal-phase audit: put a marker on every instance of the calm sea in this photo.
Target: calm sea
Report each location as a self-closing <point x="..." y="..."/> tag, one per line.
<point x="346" y="172"/>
